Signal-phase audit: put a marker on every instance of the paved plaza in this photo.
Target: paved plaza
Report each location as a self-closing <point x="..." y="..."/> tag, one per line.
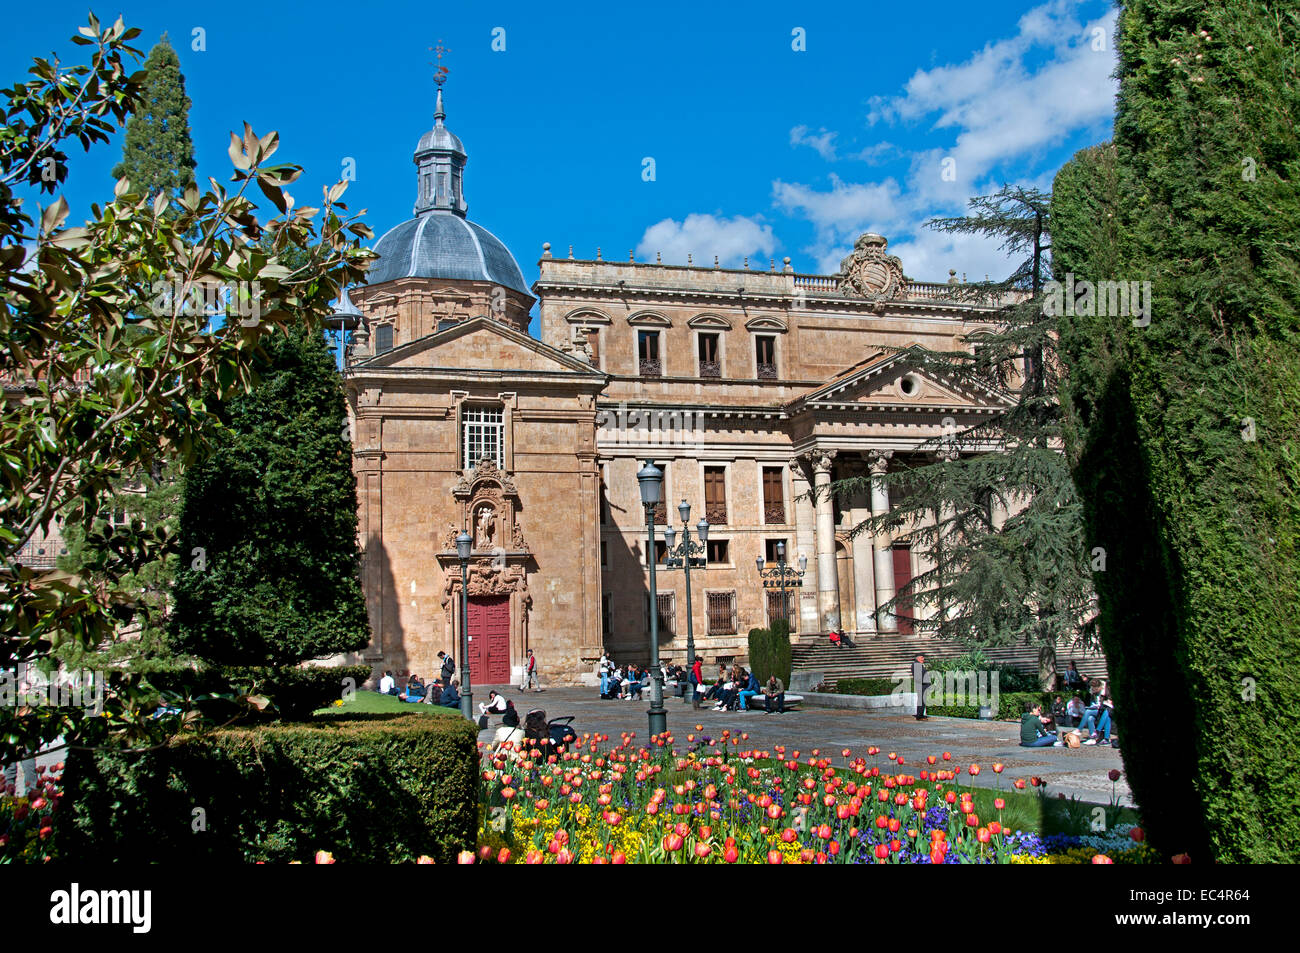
<point x="1075" y="772"/>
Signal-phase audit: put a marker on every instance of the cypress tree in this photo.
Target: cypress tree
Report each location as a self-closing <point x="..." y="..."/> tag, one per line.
<point x="158" y="153"/>
<point x="1185" y="431"/>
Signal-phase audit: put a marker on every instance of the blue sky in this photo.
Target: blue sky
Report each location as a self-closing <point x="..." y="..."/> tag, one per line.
<point x="759" y="149"/>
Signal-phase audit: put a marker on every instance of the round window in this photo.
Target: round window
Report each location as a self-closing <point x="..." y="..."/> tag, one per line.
<point x="909" y="385"/>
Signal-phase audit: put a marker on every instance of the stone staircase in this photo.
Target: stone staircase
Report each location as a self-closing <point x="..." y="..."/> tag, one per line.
<point x="892" y="656"/>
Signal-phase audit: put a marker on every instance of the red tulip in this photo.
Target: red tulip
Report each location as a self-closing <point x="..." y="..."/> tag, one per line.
<point x="1181" y="859"/>
<point x="1114" y="774"/>
<point x="947" y="756"/>
<point x="1138" y="835"/>
<point x="464" y="857"/>
<point x="703" y="850"/>
<point x="882" y="851"/>
<point x="619" y="857"/>
<point x="983" y="835"/>
<point x="731" y="855"/>
<point x="788" y="835"/>
<point x="1101" y="859"/>
<point x="999" y="803"/>
<point x="504" y="856"/>
<point x="533" y="857"/>
<point x="1020" y="784"/>
<point x="997" y="767"/>
<point x="995" y="828"/>
<point x="774" y="857"/>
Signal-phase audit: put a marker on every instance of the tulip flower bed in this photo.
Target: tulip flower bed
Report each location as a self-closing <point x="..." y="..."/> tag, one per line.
<point x="723" y="803"/>
<point x="27" y="823"/>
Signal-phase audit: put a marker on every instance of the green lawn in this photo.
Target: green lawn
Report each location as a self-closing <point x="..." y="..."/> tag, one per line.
<point x="364" y="702"/>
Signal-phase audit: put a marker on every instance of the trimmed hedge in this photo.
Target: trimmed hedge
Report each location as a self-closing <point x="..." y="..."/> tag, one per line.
<point x="1011" y="705"/>
<point x="294" y="692"/>
<point x="367" y="788"/>
<point x="866" y="686"/>
<point x="770" y="652"/>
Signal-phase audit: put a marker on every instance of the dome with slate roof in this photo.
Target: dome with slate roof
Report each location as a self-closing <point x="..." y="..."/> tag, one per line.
<point x="440" y="242"/>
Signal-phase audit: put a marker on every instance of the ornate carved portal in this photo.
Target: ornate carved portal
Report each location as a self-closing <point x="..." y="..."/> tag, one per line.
<point x="500" y="555"/>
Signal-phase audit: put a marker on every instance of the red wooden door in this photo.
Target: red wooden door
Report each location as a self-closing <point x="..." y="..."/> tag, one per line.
<point x="902" y="576"/>
<point x="489" y="633"/>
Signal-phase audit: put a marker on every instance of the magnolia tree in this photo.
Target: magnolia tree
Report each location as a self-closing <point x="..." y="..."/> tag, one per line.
<point x="119" y="340"/>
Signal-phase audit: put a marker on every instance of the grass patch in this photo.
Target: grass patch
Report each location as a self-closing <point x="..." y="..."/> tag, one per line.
<point x="371" y="703"/>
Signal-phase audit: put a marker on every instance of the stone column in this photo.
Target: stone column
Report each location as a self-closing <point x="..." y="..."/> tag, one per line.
<point x="805" y="543"/>
<point x="863" y="587"/>
<point x="828" y="586"/>
<point x="878" y="461"/>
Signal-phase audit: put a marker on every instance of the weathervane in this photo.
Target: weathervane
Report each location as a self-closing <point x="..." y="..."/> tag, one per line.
<point x="439" y="74"/>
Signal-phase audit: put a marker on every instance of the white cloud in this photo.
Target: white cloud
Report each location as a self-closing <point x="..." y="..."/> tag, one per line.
<point x="1001" y="110"/>
<point x="823" y="142"/>
<point x="704" y="236"/>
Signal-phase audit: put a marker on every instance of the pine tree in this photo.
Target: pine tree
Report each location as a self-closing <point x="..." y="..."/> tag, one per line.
<point x="1027" y="579"/>
<point x="157" y="156"/>
<point x="270" y="559"/>
<point x="158" y="153"/>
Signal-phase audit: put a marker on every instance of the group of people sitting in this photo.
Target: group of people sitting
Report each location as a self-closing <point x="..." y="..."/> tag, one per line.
<point x="619" y="682"/>
<point x="417" y="691"/>
<point x="732" y="690"/>
<point x="1075" y="717"/>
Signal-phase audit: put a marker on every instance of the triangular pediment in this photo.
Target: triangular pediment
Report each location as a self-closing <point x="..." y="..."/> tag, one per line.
<point x="480" y="344"/>
<point x="897" y="379"/>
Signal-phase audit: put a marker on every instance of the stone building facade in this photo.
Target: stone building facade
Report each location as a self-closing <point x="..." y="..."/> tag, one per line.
<point x="751" y="388"/>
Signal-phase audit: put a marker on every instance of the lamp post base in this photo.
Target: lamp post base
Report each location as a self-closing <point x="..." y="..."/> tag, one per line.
<point x="658" y="721"/>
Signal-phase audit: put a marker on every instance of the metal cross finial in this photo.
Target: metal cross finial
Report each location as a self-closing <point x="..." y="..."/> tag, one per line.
<point x="439" y="74"/>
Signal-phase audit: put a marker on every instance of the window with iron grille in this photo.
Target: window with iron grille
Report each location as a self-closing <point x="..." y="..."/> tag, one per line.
<point x="661" y="508"/>
<point x="482" y="435"/>
<point x="781" y="608"/>
<point x="715" y="495"/>
<point x="722" y="613"/>
<point x="648" y="352"/>
<point x="667" y="612"/>
<point x="710" y="366"/>
<point x="765" y="352"/>
<point x="773" y="495"/>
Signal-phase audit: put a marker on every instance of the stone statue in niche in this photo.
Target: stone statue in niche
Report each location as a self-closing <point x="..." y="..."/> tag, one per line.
<point x="486" y="528"/>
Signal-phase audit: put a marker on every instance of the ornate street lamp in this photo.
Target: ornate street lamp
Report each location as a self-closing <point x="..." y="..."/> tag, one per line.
<point x="782" y="577"/>
<point x="684" y="555"/>
<point x="651" y="479"/>
<point x="463" y="544"/>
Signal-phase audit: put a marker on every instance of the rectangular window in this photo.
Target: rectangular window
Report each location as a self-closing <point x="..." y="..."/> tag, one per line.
<point x="383" y="338"/>
<point x="482" y="435"/>
<point x="710" y="365"/>
<point x="765" y="354"/>
<point x="667" y="612"/>
<point x="722" y="613"/>
<point x="604" y="553"/>
<point x="661" y="552"/>
<point x="604" y="501"/>
<point x="593" y="345"/>
<point x="773" y="495"/>
<point x="647" y="343"/>
<point x="770" y="554"/>
<point x="719" y="550"/>
<point x="606" y="616"/>
<point x="661" y="508"/>
<point x="715" y="495"/>
<point x="781" y="606"/>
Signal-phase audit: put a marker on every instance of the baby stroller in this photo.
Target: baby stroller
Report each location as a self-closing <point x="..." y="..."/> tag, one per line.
<point x="548" y="735"/>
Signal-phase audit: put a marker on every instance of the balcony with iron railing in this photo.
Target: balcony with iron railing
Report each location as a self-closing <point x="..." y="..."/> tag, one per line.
<point x="651" y="368"/>
<point x="710" y="369"/>
<point x="774" y="512"/>
<point x="766" y="372"/>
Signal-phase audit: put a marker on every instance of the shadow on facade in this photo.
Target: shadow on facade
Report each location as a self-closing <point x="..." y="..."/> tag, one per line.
<point x="626" y="591"/>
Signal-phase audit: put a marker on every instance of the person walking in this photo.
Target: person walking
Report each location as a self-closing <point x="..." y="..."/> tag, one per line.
<point x="697" y="676"/>
<point x="920" y="681"/>
<point x="448" y="667"/>
<point x="530" y="674"/>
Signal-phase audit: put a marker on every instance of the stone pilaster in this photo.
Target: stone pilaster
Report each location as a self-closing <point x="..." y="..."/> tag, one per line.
<point x="878" y="462"/>
<point x="805" y="521"/>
